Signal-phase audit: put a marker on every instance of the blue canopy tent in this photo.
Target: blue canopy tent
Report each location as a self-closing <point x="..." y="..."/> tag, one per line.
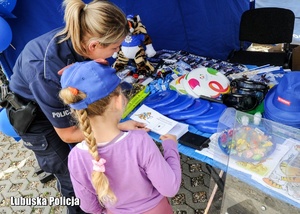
<point x="206" y="28"/>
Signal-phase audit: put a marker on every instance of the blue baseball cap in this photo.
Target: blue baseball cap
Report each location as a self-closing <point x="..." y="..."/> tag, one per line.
<point x="94" y="79"/>
<point x="282" y="102"/>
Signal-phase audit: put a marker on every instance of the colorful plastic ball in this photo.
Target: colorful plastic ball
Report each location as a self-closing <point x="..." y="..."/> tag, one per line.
<point x="6" y="8"/>
<point x="5" y="34"/>
<point x="5" y="126"/>
<point x="9" y="5"/>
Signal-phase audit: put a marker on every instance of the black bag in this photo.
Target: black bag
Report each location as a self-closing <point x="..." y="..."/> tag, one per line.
<point x="22" y="117"/>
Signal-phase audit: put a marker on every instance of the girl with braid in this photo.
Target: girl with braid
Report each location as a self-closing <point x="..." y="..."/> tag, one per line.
<point x="115" y="171"/>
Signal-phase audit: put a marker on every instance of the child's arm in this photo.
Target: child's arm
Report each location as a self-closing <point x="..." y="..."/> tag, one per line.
<point x="168" y="136"/>
<point x="88" y="200"/>
<point x="164" y="172"/>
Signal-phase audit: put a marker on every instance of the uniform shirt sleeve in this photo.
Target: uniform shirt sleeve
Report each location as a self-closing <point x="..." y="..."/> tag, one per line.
<point x="46" y="93"/>
<point x="163" y="171"/>
<point x="35" y="77"/>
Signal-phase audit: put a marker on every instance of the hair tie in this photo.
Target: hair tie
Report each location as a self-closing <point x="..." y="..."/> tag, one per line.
<point x="74" y="91"/>
<point x="98" y="166"/>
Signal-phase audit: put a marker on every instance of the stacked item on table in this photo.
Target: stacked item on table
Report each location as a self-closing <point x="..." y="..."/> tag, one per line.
<point x="182" y="62"/>
<point x="200" y="113"/>
<point x="200" y="77"/>
<point x="282" y="102"/>
<point x="242" y="94"/>
<point x="202" y="82"/>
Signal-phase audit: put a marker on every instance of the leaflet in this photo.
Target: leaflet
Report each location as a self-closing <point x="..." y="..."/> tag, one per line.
<point x="158" y="123"/>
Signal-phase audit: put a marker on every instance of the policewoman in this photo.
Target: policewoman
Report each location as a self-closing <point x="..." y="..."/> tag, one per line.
<point x="44" y="123"/>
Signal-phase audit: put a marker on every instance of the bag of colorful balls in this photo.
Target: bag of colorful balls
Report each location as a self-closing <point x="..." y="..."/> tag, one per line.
<point x="246" y="143"/>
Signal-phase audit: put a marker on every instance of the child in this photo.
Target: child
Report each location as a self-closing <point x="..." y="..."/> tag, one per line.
<point x="112" y="170"/>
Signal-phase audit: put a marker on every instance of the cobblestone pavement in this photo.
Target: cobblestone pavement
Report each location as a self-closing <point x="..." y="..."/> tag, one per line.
<point x="241" y="196"/>
<point x="18" y="179"/>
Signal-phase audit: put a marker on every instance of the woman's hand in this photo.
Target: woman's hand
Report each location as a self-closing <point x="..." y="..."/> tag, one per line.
<point x="168" y="136"/>
<point x="61" y="71"/>
<point x="131" y="125"/>
<point x="99" y="60"/>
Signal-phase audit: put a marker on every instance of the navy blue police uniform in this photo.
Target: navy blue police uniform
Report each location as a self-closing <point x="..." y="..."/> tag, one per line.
<point x="35" y="78"/>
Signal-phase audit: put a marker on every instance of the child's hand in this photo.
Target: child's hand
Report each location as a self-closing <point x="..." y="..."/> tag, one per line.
<point x="131" y="125"/>
<point x="168" y="136"/>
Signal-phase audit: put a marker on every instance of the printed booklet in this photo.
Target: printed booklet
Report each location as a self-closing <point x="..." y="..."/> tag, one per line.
<point x="159" y="123"/>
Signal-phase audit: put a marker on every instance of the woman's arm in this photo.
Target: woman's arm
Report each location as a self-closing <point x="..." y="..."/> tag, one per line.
<point x="74" y="135"/>
<point x="70" y="134"/>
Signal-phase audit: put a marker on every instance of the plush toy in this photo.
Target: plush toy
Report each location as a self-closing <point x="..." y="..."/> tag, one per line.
<point x="137" y="46"/>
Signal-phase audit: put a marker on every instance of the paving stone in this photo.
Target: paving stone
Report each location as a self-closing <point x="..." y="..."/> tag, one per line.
<point x="30" y="193"/>
<point x="5" y="146"/>
<point x="184" y="201"/>
<point x="6" y="210"/>
<point x="42" y="209"/>
<point x="183" y="209"/>
<point x="24" y="173"/>
<point x="19" y="159"/>
<point x="5" y="186"/>
<point x="18" y="185"/>
<point x="32" y="185"/>
<point x="4" y="164"/>
<point x="1" y="155"/>
<point x="4" y="143"/>
<point x="1" y="198"/>
<point x="47" y="192"/>
<point x="7" y="195"/>
<point x="21" y="209"/>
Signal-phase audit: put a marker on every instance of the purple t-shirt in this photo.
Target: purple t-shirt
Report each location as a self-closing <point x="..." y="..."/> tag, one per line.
<point x="138" y="173"/>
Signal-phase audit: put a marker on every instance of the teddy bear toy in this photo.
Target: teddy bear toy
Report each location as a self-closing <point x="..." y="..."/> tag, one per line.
<point x="136" y="47"/>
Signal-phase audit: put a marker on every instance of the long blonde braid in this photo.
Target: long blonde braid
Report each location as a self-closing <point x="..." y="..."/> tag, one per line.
<point x="99" y="179"/>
